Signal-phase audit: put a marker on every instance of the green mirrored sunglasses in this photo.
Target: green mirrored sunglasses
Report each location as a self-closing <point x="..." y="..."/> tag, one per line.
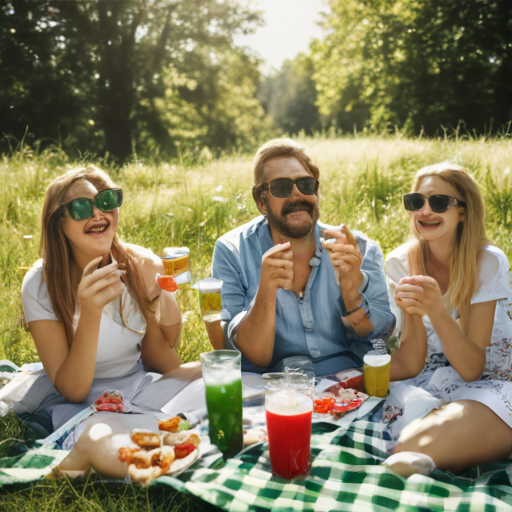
<point x="106" y="201"/>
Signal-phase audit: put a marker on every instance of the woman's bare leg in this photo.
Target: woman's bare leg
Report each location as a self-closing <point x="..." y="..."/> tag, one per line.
<point x="458" y="436"/>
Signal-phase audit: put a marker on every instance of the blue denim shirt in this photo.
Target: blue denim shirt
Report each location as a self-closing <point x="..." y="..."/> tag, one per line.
<point x="311" y="326"/>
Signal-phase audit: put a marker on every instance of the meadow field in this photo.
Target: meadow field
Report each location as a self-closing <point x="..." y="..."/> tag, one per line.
<point x="190" y="202"/>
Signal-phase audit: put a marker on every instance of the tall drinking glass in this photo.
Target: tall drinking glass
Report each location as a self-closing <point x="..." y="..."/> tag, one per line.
<point x="223" y="384"/>
<point x="376" y="373"/>
<point x="210" y="304"/>
<point x="289" y="410"/>
<point x="176" y="262"/>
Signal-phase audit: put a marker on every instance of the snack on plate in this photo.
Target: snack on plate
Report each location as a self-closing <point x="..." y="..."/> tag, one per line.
<point x="146" y="439"/>
<point x="144" y="466"/>
<point x="351" y="379"/>
<point x="177" y="438"/>
<point x="175" y="424"/>
<point x="111" y="401"/>
<point x="158" y="453"/>
<point x="338" y="401"/>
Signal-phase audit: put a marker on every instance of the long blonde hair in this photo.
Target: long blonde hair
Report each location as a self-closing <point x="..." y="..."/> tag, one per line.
<point x="469" y="239"/>
<point x="57" y="253"/>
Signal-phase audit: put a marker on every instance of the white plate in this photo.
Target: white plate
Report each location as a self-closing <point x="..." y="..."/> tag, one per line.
<point x="180" y="465"/>
<point x="252" y="380"/>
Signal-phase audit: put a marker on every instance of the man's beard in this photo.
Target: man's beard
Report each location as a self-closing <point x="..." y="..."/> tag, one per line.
<point x="280" y="224"/>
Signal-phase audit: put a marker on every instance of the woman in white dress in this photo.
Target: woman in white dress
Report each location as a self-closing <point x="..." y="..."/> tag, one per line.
<point x="96" y="314"/>
<point x="453" y="306"/>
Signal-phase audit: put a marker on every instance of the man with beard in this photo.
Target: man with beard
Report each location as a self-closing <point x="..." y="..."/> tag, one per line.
<point x="285" y="291"/>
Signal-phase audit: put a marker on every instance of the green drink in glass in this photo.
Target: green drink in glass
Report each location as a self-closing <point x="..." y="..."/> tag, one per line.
<point x="223" y="384"/>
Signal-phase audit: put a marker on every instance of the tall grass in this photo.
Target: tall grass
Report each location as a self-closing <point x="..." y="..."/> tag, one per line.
<point x="183" y="204"/>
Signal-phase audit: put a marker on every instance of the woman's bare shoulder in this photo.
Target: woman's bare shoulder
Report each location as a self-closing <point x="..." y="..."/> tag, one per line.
<point x="141" y="252"/>
<point x="146" y="257"/>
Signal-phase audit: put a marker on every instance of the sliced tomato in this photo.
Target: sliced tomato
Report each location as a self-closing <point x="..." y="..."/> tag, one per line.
<point x="324" y="405"/>
<point x="184" y="449"/>
<point x="107" y="407"/>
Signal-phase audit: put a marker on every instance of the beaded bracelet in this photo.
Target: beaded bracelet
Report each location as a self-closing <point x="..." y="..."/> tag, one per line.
<point x="355" y="324"/>
<point x="357" y="308"/>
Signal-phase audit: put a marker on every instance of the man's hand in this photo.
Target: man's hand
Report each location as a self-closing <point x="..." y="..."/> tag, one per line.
<point x="277" y="269"/>
<point x="419" y="295"/>
<point x="346" y="260"/>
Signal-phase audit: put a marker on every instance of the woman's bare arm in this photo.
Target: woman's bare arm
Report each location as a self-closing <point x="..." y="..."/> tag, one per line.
<point x="163" y="325"/>
<point x="464" y="346"/>
<point x="409" y="359"/>
<point x="71" y="368"/>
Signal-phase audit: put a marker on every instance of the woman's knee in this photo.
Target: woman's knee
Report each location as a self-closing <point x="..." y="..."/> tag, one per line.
<point x="418" y="436"/>
<point x="426" y="434"/>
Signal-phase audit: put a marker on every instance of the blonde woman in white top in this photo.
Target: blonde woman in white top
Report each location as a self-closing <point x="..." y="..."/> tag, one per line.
<point x="97" y="316"/>
<point x="453" y="306"/>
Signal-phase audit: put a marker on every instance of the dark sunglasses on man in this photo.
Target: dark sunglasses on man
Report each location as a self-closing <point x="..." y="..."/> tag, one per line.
<point x="439" y="203"/>
<point x="282" y="187"/>
<point x="106" y="201"/>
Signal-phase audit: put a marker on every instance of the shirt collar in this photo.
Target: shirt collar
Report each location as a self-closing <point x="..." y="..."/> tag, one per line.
<point x="265" y="235"/>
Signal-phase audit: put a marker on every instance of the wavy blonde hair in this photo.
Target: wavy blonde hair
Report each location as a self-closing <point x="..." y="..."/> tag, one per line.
<point x="57" y="254"/>
<point x="469" y="239"/>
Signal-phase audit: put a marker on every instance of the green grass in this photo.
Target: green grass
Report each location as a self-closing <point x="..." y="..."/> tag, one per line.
<point x="191" y="204"/>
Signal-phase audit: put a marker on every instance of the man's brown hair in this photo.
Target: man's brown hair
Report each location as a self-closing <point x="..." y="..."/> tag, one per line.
<point x="279" y="148"/>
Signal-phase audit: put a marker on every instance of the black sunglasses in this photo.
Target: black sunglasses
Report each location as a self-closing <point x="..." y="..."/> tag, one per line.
<point x="282" y="187"/>
<point x="106" y="201"/>
<point x="439" y="203"/>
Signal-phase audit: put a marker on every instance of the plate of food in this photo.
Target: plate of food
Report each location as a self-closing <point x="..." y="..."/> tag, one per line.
<point x="169" y="451"/>
<point x="338" y="398"/>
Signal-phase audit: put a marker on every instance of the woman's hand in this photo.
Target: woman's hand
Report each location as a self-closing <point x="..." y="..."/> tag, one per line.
<point x="150" y="265"/>
<point x="98" y="286"/>
<point x="419" y="295"/>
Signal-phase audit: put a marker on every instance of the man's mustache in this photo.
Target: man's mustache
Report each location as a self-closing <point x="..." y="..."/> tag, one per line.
<point x="298" y="206"/>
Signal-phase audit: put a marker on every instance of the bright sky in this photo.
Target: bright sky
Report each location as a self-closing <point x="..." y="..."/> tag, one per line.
<point x="290" y="24"/>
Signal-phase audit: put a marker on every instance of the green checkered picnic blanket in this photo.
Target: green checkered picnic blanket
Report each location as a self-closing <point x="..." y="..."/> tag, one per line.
<point x="345" y="475"/>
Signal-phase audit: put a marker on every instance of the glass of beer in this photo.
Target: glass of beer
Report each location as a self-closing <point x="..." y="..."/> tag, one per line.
<point x="210" y="304"/>
<point x="176" y="261"/>
<point x="223" y="385"/>
<point x="289" y="411"/>
<point x="376" y="373"/>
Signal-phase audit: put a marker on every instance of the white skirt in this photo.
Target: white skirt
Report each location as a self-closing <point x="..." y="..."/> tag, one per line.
<point x="142" y="392"/>
<point x="429" y="391"/>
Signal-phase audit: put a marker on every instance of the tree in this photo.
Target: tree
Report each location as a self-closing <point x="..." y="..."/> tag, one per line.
<point x="416" y="64"/>
<point x="289" y="96"/>
<point x="107" y="64"/>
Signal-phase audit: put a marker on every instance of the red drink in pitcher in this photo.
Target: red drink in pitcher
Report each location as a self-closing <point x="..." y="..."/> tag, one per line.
<point x="289" y="416"/>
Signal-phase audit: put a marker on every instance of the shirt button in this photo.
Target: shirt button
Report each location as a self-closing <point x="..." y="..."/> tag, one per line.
<point x="308" y="326"/>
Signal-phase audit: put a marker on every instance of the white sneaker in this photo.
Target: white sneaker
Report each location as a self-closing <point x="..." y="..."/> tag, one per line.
<point x="406" y="464"/>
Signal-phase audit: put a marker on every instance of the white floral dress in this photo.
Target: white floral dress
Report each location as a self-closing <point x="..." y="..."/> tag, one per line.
<point x="438" y="378"/>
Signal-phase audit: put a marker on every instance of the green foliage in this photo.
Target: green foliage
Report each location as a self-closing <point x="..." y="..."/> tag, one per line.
<point x="118" y="78"/>
<point x="421" y="66"/>
<point x="289" y="96"/>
